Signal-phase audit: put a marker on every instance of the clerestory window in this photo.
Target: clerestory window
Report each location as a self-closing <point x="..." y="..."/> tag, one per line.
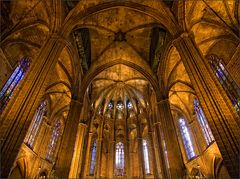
<point x="186" y="139"/>
<point x="13" y="82"/>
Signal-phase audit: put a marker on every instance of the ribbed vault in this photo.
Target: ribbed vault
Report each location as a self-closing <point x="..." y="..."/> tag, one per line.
<point x="120" y="83"/>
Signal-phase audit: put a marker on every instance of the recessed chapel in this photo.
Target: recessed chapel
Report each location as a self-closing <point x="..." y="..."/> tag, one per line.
<point x="120" y="89"/>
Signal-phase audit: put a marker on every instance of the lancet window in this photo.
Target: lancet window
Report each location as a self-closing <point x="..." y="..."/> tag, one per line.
<point x="146" y="157"/>
<point x="37" y="121"/>
<point x="203" y="123"/>
<point x="53" y="142"/>
<point x="229" y="85"/>
<point x="186" y="139"/>
<point x="119" y="159"/>
<point x="13" y="81"/>
<point x="93" y="158"/>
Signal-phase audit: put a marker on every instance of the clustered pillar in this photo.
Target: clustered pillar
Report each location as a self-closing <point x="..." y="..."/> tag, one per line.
<point x="17" y="116"/>
<point x="173" y="159"/>
<point x="222" y="118"/>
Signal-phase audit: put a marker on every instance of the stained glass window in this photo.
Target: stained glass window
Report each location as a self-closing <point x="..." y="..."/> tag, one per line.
<point x="229" y="85"/>
<point x="119" y="159"/>
<point x="13" y="81"/>
<point x="29" y="140"/>
<point x="166" y="153"/>
<point x="53" y="142"/>
<point x="93" y="157"/>
<point x="186" y="139"/>
<point x="120" y="106"/>
<point x="110" y="105"/>
<point x="146" y="157"/>
<point x="203" y="122"/>
<point x="129" y="105"/>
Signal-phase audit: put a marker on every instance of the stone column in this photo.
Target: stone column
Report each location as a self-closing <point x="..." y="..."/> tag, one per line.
<point x="222" y="117"/>
<point x="99" y="151"/>
<point x="234" y="65"/>
<point x="153" y="162"/>
<point x="158" y="151"/>
<point x="127" y="158"/>
<point x="140" y="150"/>
<point x="108" y="163"/>
<point x="127" y="149"/>
<point x="78" y="151"/>
<point x="111" y="160"/>
<point x="69" y="136"/>
<point x="174" y="155"/>
<point x="130" y="162"/>
<point x="16" y="117"/>
<point x="141" y="160"/>
<point x="88" y="155"/>
<point x="154" y="156"/>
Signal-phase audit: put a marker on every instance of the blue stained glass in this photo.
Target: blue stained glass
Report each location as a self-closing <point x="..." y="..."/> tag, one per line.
<point x="93" y="158"/>
<point x="220" y="75"/>
<point x="203" y="123"/>
<point x="53" y="142"/>
<point x="13" y="81"/>
<point x="29" y="140"/>
<point x="186" y="139"/>
<point x="229" y="85"/>
<point x="110" y="105"/>
<point x="146" y="157"/>
<point x="129" y="105"/>
<point x="9" y="81"/>
<point x="119" y="159"/>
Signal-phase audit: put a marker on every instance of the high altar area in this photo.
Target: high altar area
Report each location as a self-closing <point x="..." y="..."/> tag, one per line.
<point x="120" y="89"/>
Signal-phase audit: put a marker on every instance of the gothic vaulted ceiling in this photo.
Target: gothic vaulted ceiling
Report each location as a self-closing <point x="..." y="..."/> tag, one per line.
<point x="125" y="49"/>
<point x="120" y="34"/>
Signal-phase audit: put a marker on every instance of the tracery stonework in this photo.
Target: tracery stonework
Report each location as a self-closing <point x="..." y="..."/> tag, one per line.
<point x="119" y="89"/>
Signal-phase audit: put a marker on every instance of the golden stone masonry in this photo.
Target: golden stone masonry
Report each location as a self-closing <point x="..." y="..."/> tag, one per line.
<point x="120" y="89"/>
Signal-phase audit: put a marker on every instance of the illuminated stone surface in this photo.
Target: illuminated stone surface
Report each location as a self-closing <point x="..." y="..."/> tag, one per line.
<point x="131" y="72"/>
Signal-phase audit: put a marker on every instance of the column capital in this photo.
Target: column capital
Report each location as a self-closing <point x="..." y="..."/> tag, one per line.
<point x="162" y="101"/>
<point x="157" y="123"/>
<point x="80" y="124"/>
<point x="234" y="57"/>
<point x="60" y="38"/>
<point x="74" y="101"/>
<point x="182" y="36"/>
<point x="90" y="133"/>
<point x="46" y="123"/>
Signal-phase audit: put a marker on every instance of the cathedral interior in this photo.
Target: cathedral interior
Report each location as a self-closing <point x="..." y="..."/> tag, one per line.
<point x="126" y="89"/>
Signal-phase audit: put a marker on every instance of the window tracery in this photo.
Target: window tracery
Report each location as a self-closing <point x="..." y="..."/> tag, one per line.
<point x="129" y="105"/>
<point x="119" y="159"/>
<point x="186" y="139"/>
<point x="229" y="85"/>
<point x="13" y="81"/>
<point x="110" y="105"/>
<point x="146" y="157"/>
<point x="120" y="106"/>
<point x="53" y="141"/>
<point x="37" y="121"/>
<point x="203" y="123"/>
<point x="93" y="157"/>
